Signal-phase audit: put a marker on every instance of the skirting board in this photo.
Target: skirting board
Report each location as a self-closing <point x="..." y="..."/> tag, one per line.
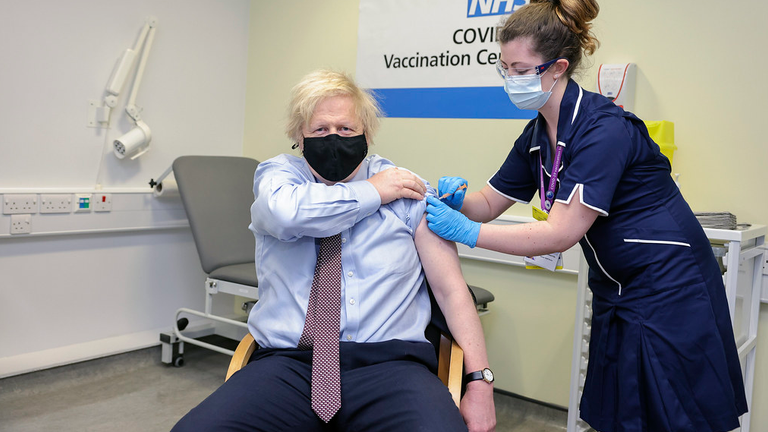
<point x="39" y="360"/>
<point x="46" y="359"/>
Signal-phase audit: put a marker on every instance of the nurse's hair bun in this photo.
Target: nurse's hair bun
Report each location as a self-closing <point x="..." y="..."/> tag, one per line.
<point x="577" y="15"/>
<point x="556" y="28"/>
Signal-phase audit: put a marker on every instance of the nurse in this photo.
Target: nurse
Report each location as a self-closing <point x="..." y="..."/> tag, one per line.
<point x="662" y="351"/>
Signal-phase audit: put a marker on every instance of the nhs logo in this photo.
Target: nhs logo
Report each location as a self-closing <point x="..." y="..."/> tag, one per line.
<point x="479" y="8"/>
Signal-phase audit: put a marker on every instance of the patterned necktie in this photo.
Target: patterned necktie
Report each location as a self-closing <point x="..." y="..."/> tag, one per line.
<point x="321" y="329"/>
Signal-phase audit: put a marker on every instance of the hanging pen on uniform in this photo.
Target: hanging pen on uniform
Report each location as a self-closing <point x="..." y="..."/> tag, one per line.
<point x="446" y="195"/>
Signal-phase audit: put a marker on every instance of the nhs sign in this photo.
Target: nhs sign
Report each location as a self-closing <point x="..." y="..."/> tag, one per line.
<point x="448" y="72"/>
<point x="480" y="8"/>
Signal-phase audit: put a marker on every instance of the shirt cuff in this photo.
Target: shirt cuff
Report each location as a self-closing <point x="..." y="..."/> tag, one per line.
<point x="367" y="196"/>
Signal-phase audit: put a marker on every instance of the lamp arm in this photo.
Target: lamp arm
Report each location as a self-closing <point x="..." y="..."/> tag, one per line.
<point x="148" y="23"/>
<point x="124" y="65"/>
<point x="131" y="107"/>
<point x="117" y="80"/>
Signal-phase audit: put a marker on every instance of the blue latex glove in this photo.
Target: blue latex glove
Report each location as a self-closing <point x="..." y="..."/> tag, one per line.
<point x="449" y="185"/>
<point x="451" y="224"/>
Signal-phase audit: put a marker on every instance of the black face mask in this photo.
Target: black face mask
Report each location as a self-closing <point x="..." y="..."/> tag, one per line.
<point x="335" y="157"/>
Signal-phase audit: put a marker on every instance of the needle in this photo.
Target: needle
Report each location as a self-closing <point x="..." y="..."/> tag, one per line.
<point x="446" y="195"/>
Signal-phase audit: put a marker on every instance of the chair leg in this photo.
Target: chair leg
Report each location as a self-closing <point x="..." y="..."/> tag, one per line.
<point x="172" y="349"/>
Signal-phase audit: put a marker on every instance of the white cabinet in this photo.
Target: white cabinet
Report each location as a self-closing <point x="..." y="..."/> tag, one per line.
<point x="742" y="256"/>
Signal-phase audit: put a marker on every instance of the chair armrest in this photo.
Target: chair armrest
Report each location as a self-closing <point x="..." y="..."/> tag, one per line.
<point x="245" y="348"/>
<point x="450" y="366"/>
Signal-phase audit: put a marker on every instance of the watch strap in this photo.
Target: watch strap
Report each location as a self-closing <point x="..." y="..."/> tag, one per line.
<point x="477" y="375"/>
<point x="473" y="376"/>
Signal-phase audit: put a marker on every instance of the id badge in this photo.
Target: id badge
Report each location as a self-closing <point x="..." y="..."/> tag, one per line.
<point x="550" y="262"/>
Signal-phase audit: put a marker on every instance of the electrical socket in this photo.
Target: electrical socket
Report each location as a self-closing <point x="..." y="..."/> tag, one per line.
<point x="19" y="204"/>
<point x="21" y="224"/>
<point x="56" y="203"/>
<point x="101" y="202"/>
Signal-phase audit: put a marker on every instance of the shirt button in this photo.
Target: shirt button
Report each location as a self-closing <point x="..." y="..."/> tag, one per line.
<point x="351" y="301"/>
<point x="350" y="274"/>
<point x="343" y="239"/>
<point x="349" y="337"/>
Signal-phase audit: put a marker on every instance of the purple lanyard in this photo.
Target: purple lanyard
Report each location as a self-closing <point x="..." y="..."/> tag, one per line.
<point x="548" y="197"/>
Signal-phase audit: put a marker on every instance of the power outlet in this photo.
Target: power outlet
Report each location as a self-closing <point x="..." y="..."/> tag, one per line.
<point x="101" y="202"/>
<point x="56" y="203"/>
<point x="19" y="204"/>
<point x="21" y="224"/>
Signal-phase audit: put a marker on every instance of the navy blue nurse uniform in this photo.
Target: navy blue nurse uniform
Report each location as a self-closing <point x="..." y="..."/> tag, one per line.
<point x="662" y="355"/>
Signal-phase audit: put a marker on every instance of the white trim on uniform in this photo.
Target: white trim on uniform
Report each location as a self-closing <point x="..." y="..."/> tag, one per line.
<point x="580" y="187"/>
<point x="664" y="242"/>
<point x="562" y="164"/>
<point x="578" y="104"/>
<point x="600" y="265"/>
<point x="505" y="195"/>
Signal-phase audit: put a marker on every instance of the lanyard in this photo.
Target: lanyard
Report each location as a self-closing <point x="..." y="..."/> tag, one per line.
<point x="548" y="197"/>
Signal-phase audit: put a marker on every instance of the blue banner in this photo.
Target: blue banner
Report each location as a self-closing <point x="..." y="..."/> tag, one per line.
<point x="450" y="102"/>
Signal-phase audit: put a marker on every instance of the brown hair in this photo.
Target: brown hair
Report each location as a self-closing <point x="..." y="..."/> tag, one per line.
<point x="557" y="28"/>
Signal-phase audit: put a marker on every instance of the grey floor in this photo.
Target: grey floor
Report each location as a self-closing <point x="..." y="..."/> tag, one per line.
<point x="136" y="392"/>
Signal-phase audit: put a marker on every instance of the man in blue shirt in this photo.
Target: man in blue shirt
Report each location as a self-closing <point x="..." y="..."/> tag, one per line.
<point x="387" y="365"/>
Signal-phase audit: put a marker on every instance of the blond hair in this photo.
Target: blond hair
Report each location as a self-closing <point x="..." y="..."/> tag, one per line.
<point x="557" y="28"/>
<point x="323" y="84"/>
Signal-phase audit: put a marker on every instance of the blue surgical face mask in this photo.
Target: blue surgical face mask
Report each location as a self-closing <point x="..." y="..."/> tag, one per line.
<point x="525" y="91"/>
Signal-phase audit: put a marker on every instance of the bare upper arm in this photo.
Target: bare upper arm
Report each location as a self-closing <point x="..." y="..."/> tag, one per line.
<point x="571" y="221"/>
<point x="432" y="248"/>
<point x="439" y="258"/>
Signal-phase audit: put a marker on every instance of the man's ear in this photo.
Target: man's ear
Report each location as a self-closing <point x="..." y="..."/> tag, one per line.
<point x="299" y="144"/>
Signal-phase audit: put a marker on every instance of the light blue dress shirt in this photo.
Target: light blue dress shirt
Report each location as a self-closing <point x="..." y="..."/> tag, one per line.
<point x="383" y="292"/>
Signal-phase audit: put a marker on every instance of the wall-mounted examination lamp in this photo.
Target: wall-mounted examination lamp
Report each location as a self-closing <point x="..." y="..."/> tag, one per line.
<point x="136" y="142"/>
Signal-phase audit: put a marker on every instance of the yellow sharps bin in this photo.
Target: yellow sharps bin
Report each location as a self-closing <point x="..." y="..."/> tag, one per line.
<point x="663" y="133"/>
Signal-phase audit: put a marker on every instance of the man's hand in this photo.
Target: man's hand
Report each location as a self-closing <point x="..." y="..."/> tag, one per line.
<point x="395" y="183"/>
<point x="477" y="407"/>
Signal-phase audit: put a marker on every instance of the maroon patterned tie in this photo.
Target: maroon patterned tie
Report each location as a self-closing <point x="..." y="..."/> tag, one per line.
<point x="321" y="329"/>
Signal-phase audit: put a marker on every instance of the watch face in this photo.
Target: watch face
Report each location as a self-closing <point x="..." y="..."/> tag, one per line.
<point x="487" y="375"/>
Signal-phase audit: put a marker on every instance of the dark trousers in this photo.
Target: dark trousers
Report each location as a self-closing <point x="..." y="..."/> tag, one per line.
<point x="385" y="386"/>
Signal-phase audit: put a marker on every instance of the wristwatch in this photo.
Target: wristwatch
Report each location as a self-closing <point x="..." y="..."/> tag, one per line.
<point x="485" y="375"/>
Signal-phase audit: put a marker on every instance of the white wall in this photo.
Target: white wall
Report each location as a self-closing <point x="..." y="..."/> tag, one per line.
<point x="64" y="298"/>
<point x="58" y="55"/>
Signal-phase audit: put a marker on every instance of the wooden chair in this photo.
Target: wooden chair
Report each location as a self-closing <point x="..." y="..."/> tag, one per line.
<point x="450" y="356"/>
<point x="450" y="363"/>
